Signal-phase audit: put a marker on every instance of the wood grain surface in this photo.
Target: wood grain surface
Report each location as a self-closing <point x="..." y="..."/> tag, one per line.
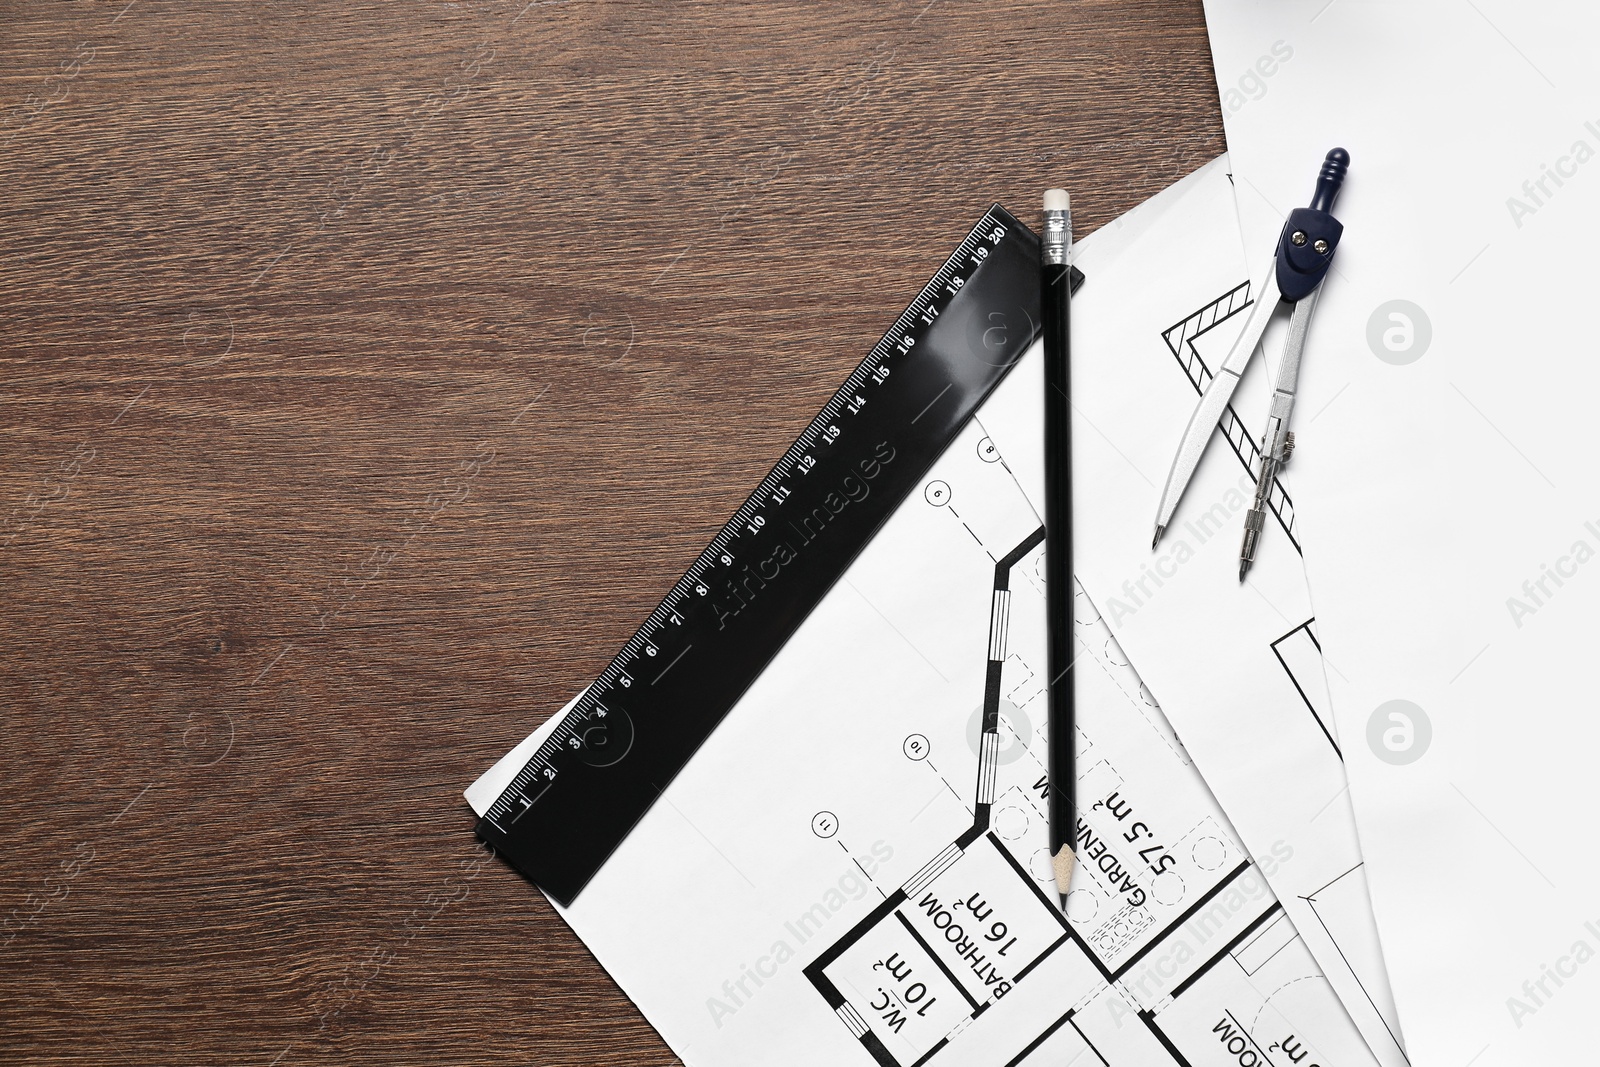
<point x="369" y="371"/>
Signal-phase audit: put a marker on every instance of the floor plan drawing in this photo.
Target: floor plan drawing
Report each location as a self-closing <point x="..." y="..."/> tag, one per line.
<point x="1171" y="948"/>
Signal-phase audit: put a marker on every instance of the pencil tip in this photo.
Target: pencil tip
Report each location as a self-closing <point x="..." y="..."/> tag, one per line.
<point x="1156" y="540"/>
<point x="1062" y="864"/>
<point x="1244" y="565"/>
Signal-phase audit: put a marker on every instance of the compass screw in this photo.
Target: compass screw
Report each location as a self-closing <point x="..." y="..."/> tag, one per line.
<point x="1288" y="445"/>
<point x="1297" y="238"/>
<point x="1321" y="246"/>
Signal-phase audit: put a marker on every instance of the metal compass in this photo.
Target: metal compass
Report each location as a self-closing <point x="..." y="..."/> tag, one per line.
<point x="1304" y="253"/>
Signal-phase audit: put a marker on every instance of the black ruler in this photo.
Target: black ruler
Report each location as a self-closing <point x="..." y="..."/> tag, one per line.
<point x="603" y="767"/>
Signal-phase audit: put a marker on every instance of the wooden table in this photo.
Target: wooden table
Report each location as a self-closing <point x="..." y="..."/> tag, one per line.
<point x="369" y="372"/>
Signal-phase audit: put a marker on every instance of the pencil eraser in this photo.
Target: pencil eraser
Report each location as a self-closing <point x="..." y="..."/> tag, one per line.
<point x="1057" y="200"/>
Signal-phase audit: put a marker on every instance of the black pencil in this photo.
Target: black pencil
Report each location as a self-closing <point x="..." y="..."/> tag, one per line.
<point x="1056" y="302"/>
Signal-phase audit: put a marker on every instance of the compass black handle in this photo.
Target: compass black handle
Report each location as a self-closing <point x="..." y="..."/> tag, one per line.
<point x="1334" y="167"/>
<point x="1310" y="234"/>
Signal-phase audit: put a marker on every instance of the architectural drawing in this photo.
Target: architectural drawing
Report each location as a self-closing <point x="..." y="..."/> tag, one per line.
<point x="1172" y="949"/>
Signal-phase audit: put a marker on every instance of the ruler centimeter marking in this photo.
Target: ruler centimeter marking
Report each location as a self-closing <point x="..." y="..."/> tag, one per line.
<point x="674" y="680"/>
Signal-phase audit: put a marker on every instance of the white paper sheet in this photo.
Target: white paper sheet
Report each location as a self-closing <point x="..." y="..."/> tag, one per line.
<point x="1443" y="479"/>
<point x="853" y="868"/>
<point x="1236" y="667"/>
